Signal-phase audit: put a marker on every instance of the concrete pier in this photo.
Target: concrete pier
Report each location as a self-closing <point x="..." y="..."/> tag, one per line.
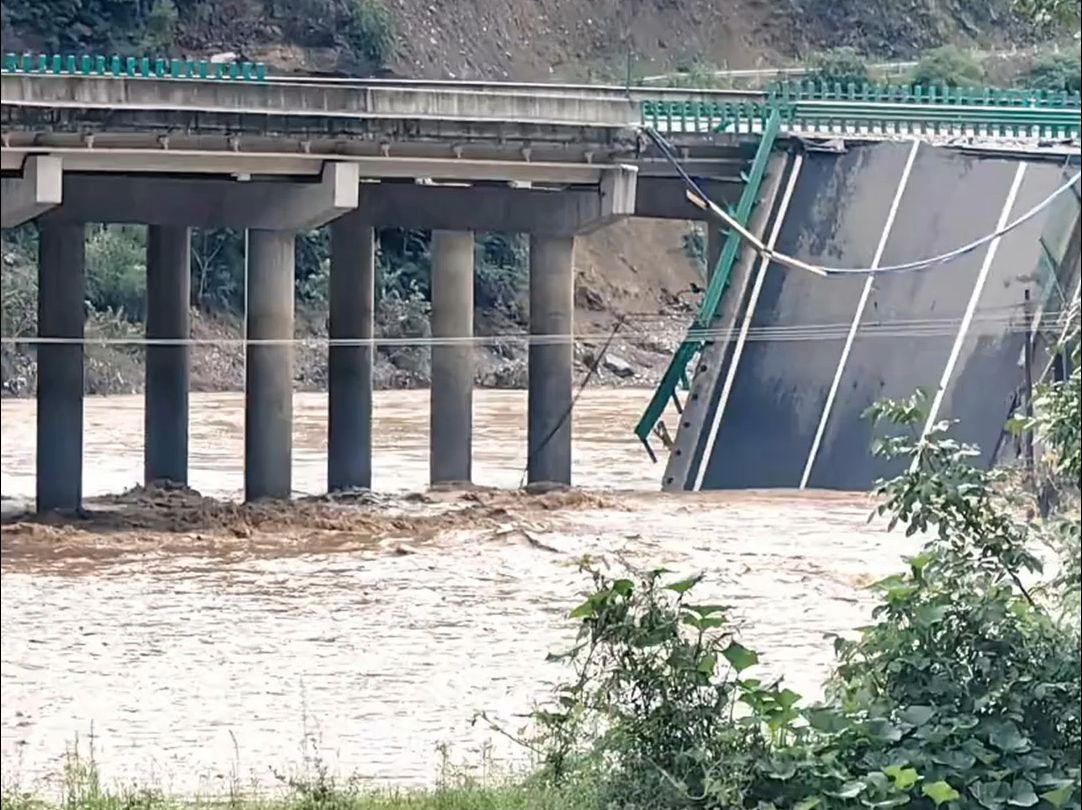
<point x="451" y="437"/>
<point x="552" y="293"/>
<point x="353" y="272"/>
<point x="165" y="455"/>
<point x="268" y="414"/>
<point x="61" y="314"/>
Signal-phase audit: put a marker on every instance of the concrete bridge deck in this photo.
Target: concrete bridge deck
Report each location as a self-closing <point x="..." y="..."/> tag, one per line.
<point x="778" y="399"/>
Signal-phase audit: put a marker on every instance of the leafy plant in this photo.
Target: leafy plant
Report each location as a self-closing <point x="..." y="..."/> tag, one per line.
<point x="948" y="66"/>
<point x="839" y="66"/>
<point x="651" y="711"/>
<point x="1056" y="70"/>
<point x="369" y="28"/>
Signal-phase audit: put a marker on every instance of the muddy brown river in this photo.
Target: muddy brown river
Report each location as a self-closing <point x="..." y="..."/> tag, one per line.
<point x="200" y="643"/>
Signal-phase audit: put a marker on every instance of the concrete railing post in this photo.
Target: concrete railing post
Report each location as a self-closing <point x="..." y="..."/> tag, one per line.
<point x="451" y="435"/>
<point x="349" y="417"/>
<point x="165" y="455"/>
<point x="61" y="315"/>
<point x="268" y="415"/>
<point x="552" y="293"/>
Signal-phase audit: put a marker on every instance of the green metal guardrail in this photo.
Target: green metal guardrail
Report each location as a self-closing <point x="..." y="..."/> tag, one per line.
<point x="133" y="67"/>
<point x="915" y="94"/>
<point x="719" y="281"/>
<point x="877" y="109"/>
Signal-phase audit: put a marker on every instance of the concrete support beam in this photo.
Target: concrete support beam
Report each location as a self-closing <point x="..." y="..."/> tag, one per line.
<point x="495" y="208"/>
<point x="61" y="314"/>
<point x="165" y="454"/>
<point x="552" y="294"/>
<point x="211" y="202"/>
<point x="39" y="189"/>
<point x="666" y="198"/>
<point x="353" y="273"/>
<point x="451" y="453"/>
<point x="268" y="414"/>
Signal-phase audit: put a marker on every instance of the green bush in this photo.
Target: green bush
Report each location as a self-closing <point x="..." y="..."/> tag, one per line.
<point x="1058" y="70"/>
<point x="116" y="271"/>
<point x="948" y="66"/>
<point x="964" y="692"/>
<point x="161" y="27"/>
<point x="502" y="275"/>
<point x="649" y="713"/>
<point x="839" y="66"/>
<point x="369" y="29"/>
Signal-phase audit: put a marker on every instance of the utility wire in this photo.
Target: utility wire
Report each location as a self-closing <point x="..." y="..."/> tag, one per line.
<point x="999" y="320"/>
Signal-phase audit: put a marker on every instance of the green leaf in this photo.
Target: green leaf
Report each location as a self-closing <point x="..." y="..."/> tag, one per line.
<point x="850" y="790"/>
<point x="916" y="715"/>
<point x="928" y="615"/>
<point x="808" y="804"/>
<point x="1060" y="796"/>
<point x="708" y="664"/>
<point x="904" y="778"/>
<point x="788" y="698"/>
<point x="739" y="656"/>
<point x="685" y="585"/>
<point x="940" y="792"/>
<point x="623" y="587"/>
<point x="584" y="611"/>
<point x="1022" y="794"/>
<point x="706" y="610"/>
<point x="1009" y="739"/>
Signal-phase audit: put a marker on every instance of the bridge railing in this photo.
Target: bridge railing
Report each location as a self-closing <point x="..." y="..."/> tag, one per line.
<point x="693" y="343"/>
<point x="133" y="67"/>
<point x="886" y="111"/>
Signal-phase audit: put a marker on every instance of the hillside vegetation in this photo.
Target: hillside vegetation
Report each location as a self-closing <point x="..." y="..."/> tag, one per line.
<point x="528" y="39"/>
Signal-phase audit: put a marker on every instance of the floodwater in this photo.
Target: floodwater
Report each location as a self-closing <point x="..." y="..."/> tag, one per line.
<point x="201" y="644"/>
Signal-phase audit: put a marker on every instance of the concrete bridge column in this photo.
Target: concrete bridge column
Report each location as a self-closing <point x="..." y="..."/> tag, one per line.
<point x="349" y="442"/>
<point x="61" y="314"/>
<point x="165" y="454"/>
<point x="451" y="437"/>
<point x="268" y="414"/>
<point x="552" y="294"/>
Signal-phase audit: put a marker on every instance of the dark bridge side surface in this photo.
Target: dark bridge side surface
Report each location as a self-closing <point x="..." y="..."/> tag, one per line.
<point x="819" y="351"/>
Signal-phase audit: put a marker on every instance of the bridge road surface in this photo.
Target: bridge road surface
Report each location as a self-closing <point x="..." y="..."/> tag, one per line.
<point x="779" y="425"/>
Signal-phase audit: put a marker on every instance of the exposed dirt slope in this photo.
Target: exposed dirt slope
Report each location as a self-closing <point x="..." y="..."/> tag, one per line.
<point x="594" y="39"/>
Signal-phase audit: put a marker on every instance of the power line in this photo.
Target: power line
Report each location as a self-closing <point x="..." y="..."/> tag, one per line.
<point x="1004" y="320"/>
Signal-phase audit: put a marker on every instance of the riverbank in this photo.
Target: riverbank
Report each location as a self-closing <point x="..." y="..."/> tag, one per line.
<point x="637" y="356"/>
<point x="79" y="786"/>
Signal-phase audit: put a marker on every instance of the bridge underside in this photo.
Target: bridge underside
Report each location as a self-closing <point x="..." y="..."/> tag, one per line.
<point x="780" y="401"/>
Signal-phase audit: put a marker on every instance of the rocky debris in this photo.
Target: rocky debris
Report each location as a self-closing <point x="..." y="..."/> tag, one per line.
<point x="618" y="365"/>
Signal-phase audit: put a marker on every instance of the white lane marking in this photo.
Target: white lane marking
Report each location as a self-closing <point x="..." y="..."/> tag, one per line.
<point x="738" y="350"/>
<point x="971" y="308"/>
<point x="865" y="293"/>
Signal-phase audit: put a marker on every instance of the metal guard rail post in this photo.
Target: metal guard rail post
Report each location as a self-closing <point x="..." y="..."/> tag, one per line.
<point x="719" y="281"/>
<point x="133" y="67"/>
